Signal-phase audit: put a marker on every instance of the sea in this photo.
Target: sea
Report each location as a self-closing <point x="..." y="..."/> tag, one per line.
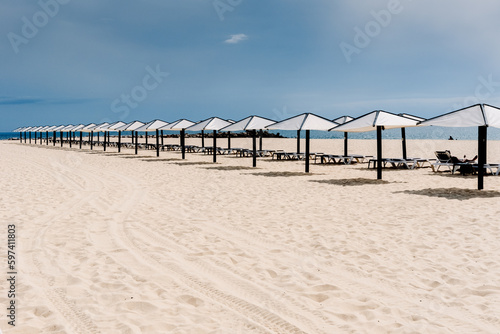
<point x="425" y="132"/>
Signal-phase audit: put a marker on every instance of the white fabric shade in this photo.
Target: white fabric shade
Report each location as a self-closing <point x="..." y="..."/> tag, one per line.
<point x="178" y="125"/>
<point x="132" y="126"/>
<point x="343" y="119"/>
<point x="152" y="126"/>
<point x="249" y="123"/>
<point x="470" y="116"/>
<point x="492" y="115"/>
<point x="306" y="121"/>
<point x="67" y="128"/>
<point x="213" y="123"/>
<point x="88" y="128"/>
<point x="114" y="126"/>
<point x="78" y="127"/>
<point x="370" y="121"/>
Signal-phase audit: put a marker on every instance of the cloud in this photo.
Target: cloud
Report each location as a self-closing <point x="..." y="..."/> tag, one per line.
<point x="236" y="38"/>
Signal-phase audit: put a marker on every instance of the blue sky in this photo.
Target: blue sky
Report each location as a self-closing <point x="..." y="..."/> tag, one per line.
<point x="76" y="61"/>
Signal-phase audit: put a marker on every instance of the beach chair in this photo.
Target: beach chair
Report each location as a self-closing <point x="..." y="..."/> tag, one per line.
<point x="443" y="159"/>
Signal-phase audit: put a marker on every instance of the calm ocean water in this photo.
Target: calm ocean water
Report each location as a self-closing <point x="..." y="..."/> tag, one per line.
<point x="428" y="132"/>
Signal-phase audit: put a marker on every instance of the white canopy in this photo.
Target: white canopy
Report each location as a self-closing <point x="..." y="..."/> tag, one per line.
<point x="476" y="115"/>
<point x="416" y="118"/>
<point x="88" y="128"/>
<point x="370" y="121"/>
<point x="100" y="127"/>
<point x="249" y="123"/>
<point x="68" y="128"/>
<point x="180" y="124"/>
<point x="152" y="126"/>
<point x="78" y="127"/>
<point x="132" y="126"/>
<point x="26" y="129"/>
<point x="306" y="121"/>
<point x="470" y="116"/>
<point x="42" y="128"/>
<point x="57" y="128"/>
<point x="114" y="126"/>
<point x="343" y="119"/>
<point x="213" y="123"/>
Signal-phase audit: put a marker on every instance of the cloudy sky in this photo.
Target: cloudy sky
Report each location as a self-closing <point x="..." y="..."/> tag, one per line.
<point x="82" y="61"/>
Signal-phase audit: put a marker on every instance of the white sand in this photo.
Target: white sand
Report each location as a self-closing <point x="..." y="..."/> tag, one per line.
<point x="113" y="243"/>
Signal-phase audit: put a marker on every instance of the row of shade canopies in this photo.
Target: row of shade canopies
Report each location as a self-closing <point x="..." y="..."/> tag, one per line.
<point x="480" y="115"/>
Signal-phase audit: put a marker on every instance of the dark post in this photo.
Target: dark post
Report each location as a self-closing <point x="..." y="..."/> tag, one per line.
<point x="25" y="137"/>
<point x="161" y="133"/>
<point x="35" y="137"/>
<point x="157" y="143"/>
<point x="47" y="136"/>
<point x="30" y="137"/>
<point x="98" y="135"/>
<point x="183" y="143"/>
<point x="91" y="139"/>
<point x="261" y="133"/>
<point x="119" y="140"/>
<point x="403" y="140"/>
<point x="379" y="152"/>
<point x="104" y="143"/>
<point x="21" y="137"/>
<point x="54" y="135"/>
<point x="215" y="146"/>
<point x="61" y="137"/>
<point x="81" y="138"/>
<point x="254" y="145"/>
<point x="298" y="141"/>
<point x="481" y="152"/>
<point x="146" y="135"/>
<point x="202" y="138"/>
<point x="229" y="140"/>
<point x="132" y="136"/>
<point x="71" y="137"/>
<point x="136" y="145"/>
<point x="307" y="151"/>
<point x="345" y="144"/>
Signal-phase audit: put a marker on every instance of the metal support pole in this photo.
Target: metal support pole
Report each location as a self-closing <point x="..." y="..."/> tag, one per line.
<point x="119" y="141"/>
<point x="307" y="151"/>
<point x="481" y="152"/>
<point x="81" y="138"/>
<point x="254" y="146"/>
<point x="202" y="138"/>
<point x="298" y="141"/>
<point x="91" y="140"/>
<point x="215" y="146"/>
<point x="345" y="144"/>
<point x="157" y="143"/>
<point x="54" y="136"/>
<point x="183" y="143"/>
<point x="136" y="145"/>
<point x="229" y="140"/>
<point x="161" y="134"/>
<point x="403" y="141"/>
<point x="379" y="152"/>
<point x="61" y="137"/>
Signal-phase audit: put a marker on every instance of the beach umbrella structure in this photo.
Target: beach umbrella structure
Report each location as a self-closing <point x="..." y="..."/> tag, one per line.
<point x="153" y="126"/>
<point x="214" y="124"/>
<point x="101" y="128"/>
<point x="480" y="115"/>
<point x="34" y="130"/>
<point x="376" y="120"/>
<point x="67" y="129"/>
<point x="342" y="120"/>
<point x="89" y="128"/>
<point x="251" y="123"/>
<point x="76" y="129"/>
<point x="40" y="130"/>
<point x="54" y="130"/>
<point x="307" y="122"/>
<point x="132" y="126"/>
<point x="113" y="127"/>
<point x="180" y="125"/>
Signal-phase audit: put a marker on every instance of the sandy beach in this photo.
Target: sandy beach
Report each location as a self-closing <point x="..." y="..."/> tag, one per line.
<point x="111" y="242"/>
